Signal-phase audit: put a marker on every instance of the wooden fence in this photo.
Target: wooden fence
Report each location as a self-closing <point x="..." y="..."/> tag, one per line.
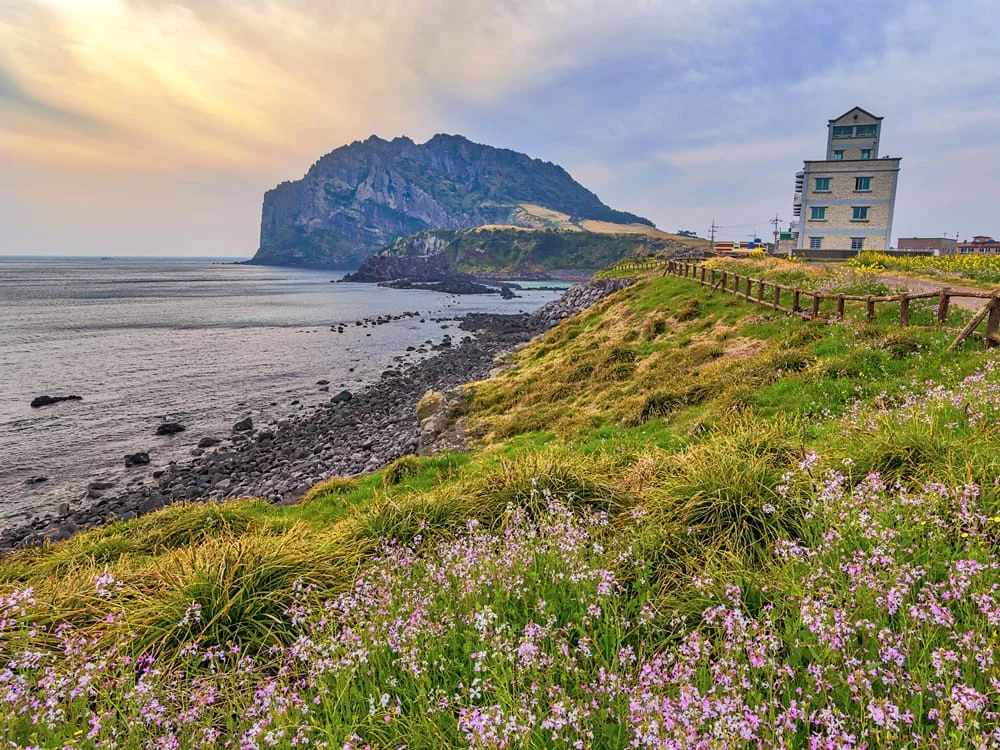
<point x="637" y="265"/>
<point x="806" y="302"/>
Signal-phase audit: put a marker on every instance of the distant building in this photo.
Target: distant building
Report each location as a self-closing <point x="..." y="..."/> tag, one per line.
<point x="935" y="245"/>
<point x="737" y="246"/>
<point x="979" y="244"/>
<point x="845" y="202"/>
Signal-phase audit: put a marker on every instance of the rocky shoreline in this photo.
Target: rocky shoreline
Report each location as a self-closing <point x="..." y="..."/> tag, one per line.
<point x="354" y="433"/>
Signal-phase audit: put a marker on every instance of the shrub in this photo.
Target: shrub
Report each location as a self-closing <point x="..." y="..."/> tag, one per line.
<point x="332" y="486"/>
<point x="400" y="470"/>
<point x="687" y="311"/>
<point x="724" y="490"/>
<point x="653" y="326"/>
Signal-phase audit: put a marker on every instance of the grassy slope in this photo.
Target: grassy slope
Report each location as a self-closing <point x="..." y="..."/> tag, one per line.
<point x="677" y="412"/>
<point x="544" y="240"/>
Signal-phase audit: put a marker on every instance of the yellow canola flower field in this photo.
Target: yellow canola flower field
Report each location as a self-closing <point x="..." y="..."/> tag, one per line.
<point x="979" y="267"/>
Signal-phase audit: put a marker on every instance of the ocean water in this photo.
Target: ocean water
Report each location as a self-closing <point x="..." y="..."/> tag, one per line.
<point x="144" y="340"/>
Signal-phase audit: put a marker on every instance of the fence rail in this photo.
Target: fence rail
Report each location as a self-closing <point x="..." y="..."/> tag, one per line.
<point x="637" y="265"/>
<point x="754" y="290"/>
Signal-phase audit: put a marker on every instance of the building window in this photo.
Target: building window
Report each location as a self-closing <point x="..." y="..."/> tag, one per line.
<point x="815" y="243"/>
<point x="822" y="184"/>
<point x="857" y="243"/>
<point x="817" y="213"/>
<point x="862" y="184"/>
<point x="854" y="131"/>
<point x="859" y="213"/>
<point x="838" y="155"/>
<point x="866" y="154"/>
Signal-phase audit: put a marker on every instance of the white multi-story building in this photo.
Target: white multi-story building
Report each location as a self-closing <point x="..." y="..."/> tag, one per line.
<point x="846" y="201"/>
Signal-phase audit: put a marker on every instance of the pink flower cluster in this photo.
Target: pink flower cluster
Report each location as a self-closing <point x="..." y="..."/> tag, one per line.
<point x="878" y="629"/>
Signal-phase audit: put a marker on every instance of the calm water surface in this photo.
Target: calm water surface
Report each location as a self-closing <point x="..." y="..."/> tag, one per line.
<point x="207" y="343"/>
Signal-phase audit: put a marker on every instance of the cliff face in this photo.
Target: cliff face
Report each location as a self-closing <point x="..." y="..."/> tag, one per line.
<point x="361" y="197"/>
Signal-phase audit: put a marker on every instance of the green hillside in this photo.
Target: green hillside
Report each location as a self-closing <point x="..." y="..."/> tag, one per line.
<point x="511" y="250"/>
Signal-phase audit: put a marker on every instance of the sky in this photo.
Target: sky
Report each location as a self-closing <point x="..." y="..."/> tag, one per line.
<point x="153" y="127"/>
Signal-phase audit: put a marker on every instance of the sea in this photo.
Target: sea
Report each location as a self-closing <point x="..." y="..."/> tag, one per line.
<point x="201" y="341"/>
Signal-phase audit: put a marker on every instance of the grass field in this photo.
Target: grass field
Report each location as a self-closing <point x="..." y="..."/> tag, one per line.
<point x="686" y="523"/>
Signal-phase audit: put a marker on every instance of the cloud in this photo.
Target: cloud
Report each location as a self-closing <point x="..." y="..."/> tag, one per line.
<point x="251" y="85"/>
<point x="15" y="100"/>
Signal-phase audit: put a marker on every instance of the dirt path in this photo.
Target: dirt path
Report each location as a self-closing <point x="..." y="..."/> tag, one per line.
<point x="925" y="285"/>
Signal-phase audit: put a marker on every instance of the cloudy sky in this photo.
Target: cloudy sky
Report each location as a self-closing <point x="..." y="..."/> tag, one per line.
<point x="153" y="127"/>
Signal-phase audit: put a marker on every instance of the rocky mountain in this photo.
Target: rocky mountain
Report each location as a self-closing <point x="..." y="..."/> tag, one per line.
<point x="364" y="196"/>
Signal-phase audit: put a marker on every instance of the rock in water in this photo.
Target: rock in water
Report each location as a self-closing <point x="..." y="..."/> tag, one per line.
<point x="136" y="459"/>
<point x="170" y="428"/>
<point x="244" y="425"/>
<point x="47" y="400"/>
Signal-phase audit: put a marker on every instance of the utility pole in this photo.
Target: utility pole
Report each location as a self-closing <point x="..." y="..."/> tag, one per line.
<point x="712" y="235"/>
<point x="777" y="224"/>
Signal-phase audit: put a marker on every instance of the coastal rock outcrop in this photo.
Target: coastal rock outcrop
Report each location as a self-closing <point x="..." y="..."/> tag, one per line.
<point x="40" y="401"/>
<point x="577" y="299"/>
<point x="379" y="268"/>
<point x="136" y="459"/>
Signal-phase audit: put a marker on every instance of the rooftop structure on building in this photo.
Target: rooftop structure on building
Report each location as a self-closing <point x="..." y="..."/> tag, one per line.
<point x="844" y="203"/>
<point x="981" y="243"/>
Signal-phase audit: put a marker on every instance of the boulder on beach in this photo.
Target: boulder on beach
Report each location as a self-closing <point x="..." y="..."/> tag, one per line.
<point x="136" y="459"/>
<point x="244" y="425"/>
<point x="39" y="401"/>
<point x="170" y="428"/>
<point x="208" y="442"/>
<point x="342" y="398"/>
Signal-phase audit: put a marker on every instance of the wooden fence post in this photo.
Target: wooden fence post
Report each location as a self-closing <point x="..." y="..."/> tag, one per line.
<point x="815" y="310"/>
<point x="722" y="283"/>
<point x="713" y="277"/>
<point x="749" y="291"/>
<point x="760" y="291"/>
<point x="993" y="322"/>
<point x="976" y="320"/>
<point x="777" y="297"/>
<point x="703" y="274"/>
<point x="795" y="300"/>
<point x="942" y="312"/>
<point x="840" y="307"/>
<point x="870" y="312"/>
<point x="904" y="311"/>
